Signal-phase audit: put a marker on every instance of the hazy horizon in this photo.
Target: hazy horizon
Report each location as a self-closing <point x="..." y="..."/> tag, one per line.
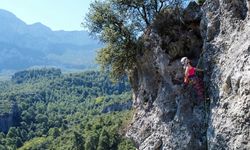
<point x="57" y="14"/>
<point x="23" y="46"/>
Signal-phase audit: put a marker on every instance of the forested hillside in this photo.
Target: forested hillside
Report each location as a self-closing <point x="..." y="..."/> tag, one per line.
<point x="45" y="109"/>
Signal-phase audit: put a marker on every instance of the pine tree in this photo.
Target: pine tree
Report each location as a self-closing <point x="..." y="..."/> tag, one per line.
<point x="103" y="143"/>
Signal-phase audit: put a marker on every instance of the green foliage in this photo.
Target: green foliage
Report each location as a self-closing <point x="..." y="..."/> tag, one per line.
<point x="103" y="143"/>
<point x="54" y="132"/>
<point x="91" y="141"/>
<point x="201" y="2"/>
<point x="35" y="143"/>
<point x="3" y="147"/>
<point x="117" y="60"/>
<point x="126" y="145"/>
<point x="5" y="106"/>
<point x="65" y="112"/>
<point x="99" y="100"/>
<point x="119" y="24"/>
<point x="78" y="141"/>
<point x="26" y="75"/>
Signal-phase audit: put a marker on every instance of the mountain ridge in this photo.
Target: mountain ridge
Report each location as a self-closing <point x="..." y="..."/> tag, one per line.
<point x="54" y="48"/>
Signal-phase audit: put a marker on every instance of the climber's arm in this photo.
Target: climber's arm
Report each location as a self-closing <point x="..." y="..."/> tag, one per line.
<point x="186" y="76"/>
<point x="186" y="71"/>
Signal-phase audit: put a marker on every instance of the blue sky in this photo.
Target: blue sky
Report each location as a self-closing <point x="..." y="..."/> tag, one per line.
<point x="56" y="14"/>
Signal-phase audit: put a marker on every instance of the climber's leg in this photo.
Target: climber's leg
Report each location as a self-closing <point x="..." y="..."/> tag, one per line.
<point x="199" y="88"/>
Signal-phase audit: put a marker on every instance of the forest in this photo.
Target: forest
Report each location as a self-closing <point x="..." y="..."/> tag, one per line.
<point x="47" y="109"/>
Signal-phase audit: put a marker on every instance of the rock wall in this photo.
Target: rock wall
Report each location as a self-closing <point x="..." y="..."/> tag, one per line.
<point x="117" y="107"/>
<point x="170" y="116"/>
<point x="9" y="119"/>
<point x="225" y="29"/>
<point x="6" y="121"/>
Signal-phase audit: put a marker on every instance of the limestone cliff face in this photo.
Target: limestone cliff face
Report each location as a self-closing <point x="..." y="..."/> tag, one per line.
<point x="117" y="107"/>
<point x="169" y="116"/>
<point x="225" y="28"/>
<point x="9" y="119"/>
<point x="6" y="121"/>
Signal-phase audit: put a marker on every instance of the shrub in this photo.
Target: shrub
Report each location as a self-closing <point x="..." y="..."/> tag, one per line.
<point x="201" y="2"/>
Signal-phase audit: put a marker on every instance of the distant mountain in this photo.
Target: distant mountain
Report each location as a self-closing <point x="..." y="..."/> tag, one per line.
<point x="23" y="46"/>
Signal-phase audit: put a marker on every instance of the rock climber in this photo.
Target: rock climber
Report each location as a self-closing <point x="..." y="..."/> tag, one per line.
<point x="191" y="78"/>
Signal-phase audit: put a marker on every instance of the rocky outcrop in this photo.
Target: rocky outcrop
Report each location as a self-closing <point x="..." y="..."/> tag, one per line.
<point x="6" y="121"/>
<point x="170" y="116"/>
<point x="117" y="107"/>
<point x="9" y="119"/>
<point x="226" y="31"/>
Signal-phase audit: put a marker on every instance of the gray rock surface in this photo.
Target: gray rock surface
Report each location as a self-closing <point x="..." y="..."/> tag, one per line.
<point x="117" y="107"/>
<point x="226" y="31"/>
<point x="9" y="119"/>
<point x="169" y="116"/>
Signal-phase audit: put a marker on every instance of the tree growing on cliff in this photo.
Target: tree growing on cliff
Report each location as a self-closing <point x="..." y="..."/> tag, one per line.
<point x="119" y="24"/>
<point x="201" y="2"/>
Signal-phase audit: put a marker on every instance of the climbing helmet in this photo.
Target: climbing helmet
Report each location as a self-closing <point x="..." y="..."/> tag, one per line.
<point x="184" y="60"/>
